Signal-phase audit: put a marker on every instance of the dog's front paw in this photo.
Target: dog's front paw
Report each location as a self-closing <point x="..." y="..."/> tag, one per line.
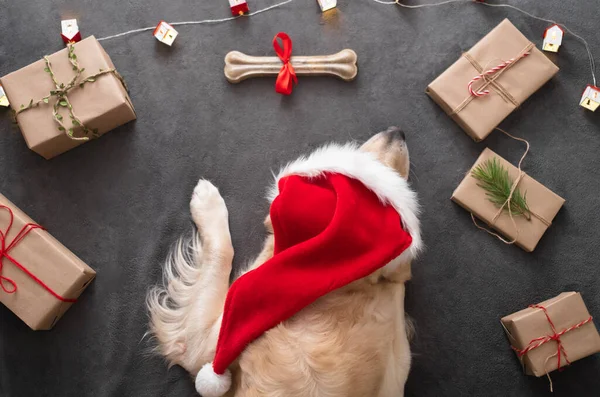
<point x="208" y="207"/>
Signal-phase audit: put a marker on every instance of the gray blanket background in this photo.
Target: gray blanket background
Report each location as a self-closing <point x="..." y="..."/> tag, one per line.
<point x="121" y="201"/>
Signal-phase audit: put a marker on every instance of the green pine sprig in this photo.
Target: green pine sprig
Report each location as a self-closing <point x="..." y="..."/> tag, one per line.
<point x="494" y="179"/>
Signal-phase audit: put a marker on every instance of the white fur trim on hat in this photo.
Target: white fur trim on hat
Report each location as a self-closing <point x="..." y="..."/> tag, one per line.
<point x="386" y="183"/>
<point x="210" y="384"/>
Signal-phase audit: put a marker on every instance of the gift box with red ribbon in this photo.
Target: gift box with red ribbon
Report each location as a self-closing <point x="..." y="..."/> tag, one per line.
<point x="552" y="334"/>
<point x="39" y="278"/>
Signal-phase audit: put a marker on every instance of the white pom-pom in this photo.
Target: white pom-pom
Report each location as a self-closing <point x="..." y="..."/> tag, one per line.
<point x="210" y="384"/>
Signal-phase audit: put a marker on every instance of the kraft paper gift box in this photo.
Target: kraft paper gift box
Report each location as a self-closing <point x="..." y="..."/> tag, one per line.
<point x="40" y="278"/>
<point x="573" y="326"/>
<point x="100" y="105"/>
<point x="543" y="203"/>
<point x="509" y="87"/>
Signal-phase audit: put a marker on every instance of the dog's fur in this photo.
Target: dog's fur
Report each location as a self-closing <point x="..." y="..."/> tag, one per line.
<point x="351" y="342"/>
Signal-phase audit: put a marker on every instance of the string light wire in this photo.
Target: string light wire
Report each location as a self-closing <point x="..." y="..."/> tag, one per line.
<point x="397" y="2"/>
<point x="201" y="22"/>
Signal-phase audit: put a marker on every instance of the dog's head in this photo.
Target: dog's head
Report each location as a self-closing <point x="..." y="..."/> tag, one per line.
<point x="390" y="148"/>
<point x="382" y="164"/>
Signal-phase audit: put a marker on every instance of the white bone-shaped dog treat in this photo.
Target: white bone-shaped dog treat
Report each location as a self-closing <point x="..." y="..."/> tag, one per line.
<point x="239" y="66"/>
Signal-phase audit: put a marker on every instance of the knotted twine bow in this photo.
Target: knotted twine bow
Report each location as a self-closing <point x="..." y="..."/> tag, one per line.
<point x="4" y="253"/>
<point x="555" y="336"/>
<point x="489" y="77"/>
<point x="508" y="203"/>
<point x="287" y="75"/>
<point x="62" y="100"/>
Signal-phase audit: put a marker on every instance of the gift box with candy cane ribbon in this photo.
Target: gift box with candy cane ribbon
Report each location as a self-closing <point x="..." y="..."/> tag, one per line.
<point x="491" y="80"/>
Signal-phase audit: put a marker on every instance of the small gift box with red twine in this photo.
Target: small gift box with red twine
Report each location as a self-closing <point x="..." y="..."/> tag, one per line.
<point x="552" y="334"/>
<point x="39" y="278"/>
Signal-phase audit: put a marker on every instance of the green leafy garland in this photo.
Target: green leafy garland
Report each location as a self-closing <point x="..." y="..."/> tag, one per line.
<point x="494" y="179"/>
<point x="62" y="99"/>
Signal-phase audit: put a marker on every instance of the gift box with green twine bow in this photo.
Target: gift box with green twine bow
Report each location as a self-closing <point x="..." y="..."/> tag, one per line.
<point x="68" y="98"/>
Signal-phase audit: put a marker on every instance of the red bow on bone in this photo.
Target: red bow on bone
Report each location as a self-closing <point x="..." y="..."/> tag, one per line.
<point x="287" y="76"/>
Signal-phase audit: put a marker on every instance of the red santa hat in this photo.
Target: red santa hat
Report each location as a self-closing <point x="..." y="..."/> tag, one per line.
<point x="338" y="216"/>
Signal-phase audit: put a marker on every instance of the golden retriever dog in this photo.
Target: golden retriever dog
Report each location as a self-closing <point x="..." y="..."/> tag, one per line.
<point x="352" y="342"/>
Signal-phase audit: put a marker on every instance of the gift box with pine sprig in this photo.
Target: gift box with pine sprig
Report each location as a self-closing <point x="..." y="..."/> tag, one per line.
<point x="508" y="200"/>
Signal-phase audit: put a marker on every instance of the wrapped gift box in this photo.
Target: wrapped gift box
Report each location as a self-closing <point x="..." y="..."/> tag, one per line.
<point x="543" y="204"/>
<point x="46" y="279"/>
<point x="510" y="87"/>
<point x="572" y="324"/>
<point x="101" y="105"/>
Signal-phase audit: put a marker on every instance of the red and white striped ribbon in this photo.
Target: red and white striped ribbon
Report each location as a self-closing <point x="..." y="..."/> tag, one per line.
<point x="538" y="342"/>
<point x="489" y="72"/>
<point x="542" y="340"/>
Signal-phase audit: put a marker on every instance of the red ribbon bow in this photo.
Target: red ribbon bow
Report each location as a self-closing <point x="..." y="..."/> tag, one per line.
<point x="542" y="340"/>
<point x="5" y="249"/>
<point x="287" y="75"/>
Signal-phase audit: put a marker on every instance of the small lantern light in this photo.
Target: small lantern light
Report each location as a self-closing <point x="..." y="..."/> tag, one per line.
<point x="3" y="98"/>
<point x="552" y="38"/>
<point x="165" y="33"/>
<point x="327" y="4"/>
<point x="238" y="7"/>
<point x="70" y="31"/>
<point x="591" y="98"/>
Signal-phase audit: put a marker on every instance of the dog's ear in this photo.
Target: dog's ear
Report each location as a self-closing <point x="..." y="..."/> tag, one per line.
<point x="268" y="224"/>
<point x="400" y="273"/>
<point x="395" y="272"/>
